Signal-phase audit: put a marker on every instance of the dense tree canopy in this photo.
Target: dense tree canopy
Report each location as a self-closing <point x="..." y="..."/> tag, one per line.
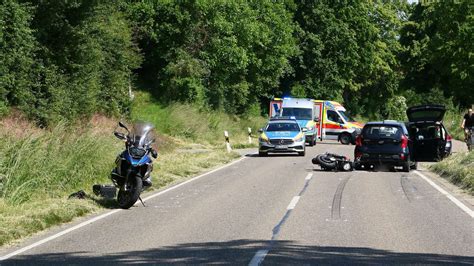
<point x="222" y="54"/>
<point x="66" y="59"/>
<point x="349" y="51"/>
<point x="439" y="51"/>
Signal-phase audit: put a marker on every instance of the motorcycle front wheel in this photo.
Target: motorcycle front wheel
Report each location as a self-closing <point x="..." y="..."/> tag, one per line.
<point x="126" y="199"/>
<point x="326" y="162"/>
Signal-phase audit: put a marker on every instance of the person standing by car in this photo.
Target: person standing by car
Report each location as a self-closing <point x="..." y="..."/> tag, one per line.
<point x="467" y="122"/>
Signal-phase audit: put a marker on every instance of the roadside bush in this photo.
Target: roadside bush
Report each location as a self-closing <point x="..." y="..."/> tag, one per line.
<point x="396" y="108"/>
<point x="452" y="121"/>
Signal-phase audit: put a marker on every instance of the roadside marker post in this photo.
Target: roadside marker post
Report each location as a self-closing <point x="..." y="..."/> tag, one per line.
<point x="227" y="142"/>
<point x="250" y="135"/>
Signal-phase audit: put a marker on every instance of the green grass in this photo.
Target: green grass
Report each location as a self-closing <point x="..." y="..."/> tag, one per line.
<point x="187" y="121"/>
<point x="459" y="169"/>
<point x="21" y="220"/>
<point x="53" y="163"/>
<point x="452" y="122"/>
<point x="40" y="168"/>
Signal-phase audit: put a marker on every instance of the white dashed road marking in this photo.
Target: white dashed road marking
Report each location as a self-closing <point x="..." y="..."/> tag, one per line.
<point x="293" y="203"/>
<point x="260" y="255"/>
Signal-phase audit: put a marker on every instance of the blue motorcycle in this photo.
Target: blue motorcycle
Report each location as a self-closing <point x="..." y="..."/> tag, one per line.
<point x="134" y="165"/>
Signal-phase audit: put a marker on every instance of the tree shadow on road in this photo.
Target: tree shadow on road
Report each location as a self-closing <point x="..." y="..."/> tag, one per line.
<point x="241" y="252"/>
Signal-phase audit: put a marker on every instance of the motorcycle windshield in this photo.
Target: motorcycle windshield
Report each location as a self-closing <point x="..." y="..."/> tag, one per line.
<point x="142" y="134"/>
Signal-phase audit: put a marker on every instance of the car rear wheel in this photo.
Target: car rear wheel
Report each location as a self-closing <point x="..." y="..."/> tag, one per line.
<point x="414" y="166"/>
<point x="345" y="138"/>
<point x="407" y="166"/>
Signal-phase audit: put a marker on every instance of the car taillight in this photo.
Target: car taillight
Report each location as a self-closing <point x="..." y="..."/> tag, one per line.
<point x="448" y="141"/>
<point x="359" y="140"/>
<point x="404" y="142"/>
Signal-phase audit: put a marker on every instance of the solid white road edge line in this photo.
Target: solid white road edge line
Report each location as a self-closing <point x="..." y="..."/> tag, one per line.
<point x="19" y="251"/>
<point x="449" y="196"/>
<point x="259" y="257"/>
<point x="293" y="203"/>
<point x="308" y="177"/>
<point x="100" y="217"/>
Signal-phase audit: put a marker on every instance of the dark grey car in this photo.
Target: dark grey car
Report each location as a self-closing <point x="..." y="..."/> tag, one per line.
<point x="431" y="140"/>
<point x="384" y="143"/>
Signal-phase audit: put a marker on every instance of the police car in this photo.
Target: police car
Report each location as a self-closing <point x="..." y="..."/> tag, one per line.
<point x="282" y="134"/>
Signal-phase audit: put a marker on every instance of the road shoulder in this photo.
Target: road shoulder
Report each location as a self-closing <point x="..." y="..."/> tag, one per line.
<point x="452" y="189"/>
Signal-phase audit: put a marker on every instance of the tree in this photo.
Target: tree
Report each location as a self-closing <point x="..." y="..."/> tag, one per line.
<point x="348" y="52"/>
<point x="438" y="42"/>
<point x="17" y="50"/>
<point x="226" y="55"/>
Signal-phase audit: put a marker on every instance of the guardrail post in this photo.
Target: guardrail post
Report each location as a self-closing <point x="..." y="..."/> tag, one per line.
<point x="227" y="142"/>
<point x="250" y="135"/>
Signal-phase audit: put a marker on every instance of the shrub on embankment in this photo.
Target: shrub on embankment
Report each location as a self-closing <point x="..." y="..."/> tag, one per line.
<point x="452" y="122"/>
<point x="459" y="169"/>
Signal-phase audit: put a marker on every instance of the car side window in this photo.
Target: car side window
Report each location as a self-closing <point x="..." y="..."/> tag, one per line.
<point x="333" y="116"/>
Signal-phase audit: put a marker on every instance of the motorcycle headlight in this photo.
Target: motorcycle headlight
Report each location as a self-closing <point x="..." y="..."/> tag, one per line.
<point x="136" y="152"/>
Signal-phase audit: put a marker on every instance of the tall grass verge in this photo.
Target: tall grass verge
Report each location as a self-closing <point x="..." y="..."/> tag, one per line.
<point x="459" y="169"/>
<point x="194" y="124"/>
<point x="40" y="168"/>
<point x="53" y="163"/>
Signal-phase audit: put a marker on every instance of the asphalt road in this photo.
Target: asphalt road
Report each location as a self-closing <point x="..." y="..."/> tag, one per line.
<point x="275" y="210"/>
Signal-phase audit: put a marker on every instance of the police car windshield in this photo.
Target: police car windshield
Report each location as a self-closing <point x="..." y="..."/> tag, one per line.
<point x="346" y="116"/>
<point x="283" y="127"/>
<point x="298" y="113"/>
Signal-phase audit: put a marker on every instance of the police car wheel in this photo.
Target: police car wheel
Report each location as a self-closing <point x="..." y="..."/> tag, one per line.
<point x="311" y="141"/>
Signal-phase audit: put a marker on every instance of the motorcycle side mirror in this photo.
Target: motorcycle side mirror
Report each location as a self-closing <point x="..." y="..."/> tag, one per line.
<point x="120" y="135"/>
<point x="123" y="125"/>
<point x="154" y="154"/>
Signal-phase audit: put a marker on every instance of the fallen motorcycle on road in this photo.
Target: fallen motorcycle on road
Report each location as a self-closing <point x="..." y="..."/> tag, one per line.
<point x="333" y="162"/>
